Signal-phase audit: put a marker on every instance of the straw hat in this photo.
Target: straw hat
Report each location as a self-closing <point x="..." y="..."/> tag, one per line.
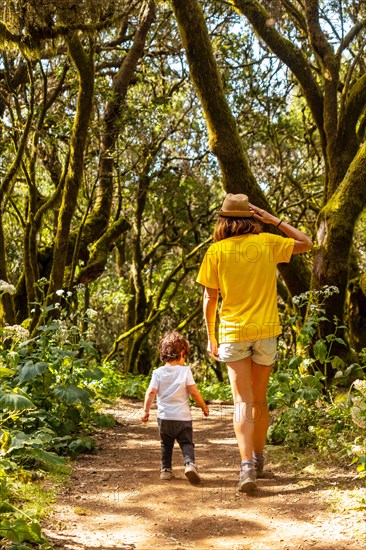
<point x="235" y="206"/>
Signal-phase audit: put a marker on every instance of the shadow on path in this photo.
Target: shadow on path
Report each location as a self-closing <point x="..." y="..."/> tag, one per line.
<point x="115" y="498"/>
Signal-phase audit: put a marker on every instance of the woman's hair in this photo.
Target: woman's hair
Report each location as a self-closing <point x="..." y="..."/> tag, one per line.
<point x="231" y="227"/>
<point x="171" y="347"/>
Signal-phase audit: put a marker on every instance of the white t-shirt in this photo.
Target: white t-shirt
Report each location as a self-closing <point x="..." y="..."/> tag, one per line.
<point x="172" y="396"/>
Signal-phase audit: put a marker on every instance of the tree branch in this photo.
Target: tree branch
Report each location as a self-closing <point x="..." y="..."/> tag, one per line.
<point x="350" y="36"/>
<point x="224" y="139"/>
<point x="289" y="54"/>
<point x="98" y="219"/>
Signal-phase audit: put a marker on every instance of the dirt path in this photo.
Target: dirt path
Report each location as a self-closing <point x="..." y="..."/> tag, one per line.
<point x="115" y="498"/>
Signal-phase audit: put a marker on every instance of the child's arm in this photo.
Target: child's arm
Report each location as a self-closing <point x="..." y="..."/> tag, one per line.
<point x="195" y="394"/>
<point x="149" y="398"/>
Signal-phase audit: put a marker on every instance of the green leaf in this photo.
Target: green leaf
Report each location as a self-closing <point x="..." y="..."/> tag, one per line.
<point x="308" y="330"/>
<point x="30" y="371"/>
<point x="320" y="350"/>
<point x="71" y="394"/>
<point x="308" y="394"/>
<point x="353" y="367"/>
<point x="15" y="401"/>
<point x="46" y="457"/>
<point x="81" y="445"/>
<point x="5" y="507"/>
<point x="16" y="531"/>
<point x="340" y="341"/>
<point x="284" y="376"/>
<point x="21" y="530"/>
<point x="7" y="464"/>
<point x="4" y="371"/>
<point x="104" y="420"/>
<point x="338" y="363"/>
<point x="95" y="374"/>
<point x="295" y="362"/>
<point x="35" y="529"/>
<point x="66" y="353"/>
<point x="20" y="440"/>
<point x="312" y="381"/>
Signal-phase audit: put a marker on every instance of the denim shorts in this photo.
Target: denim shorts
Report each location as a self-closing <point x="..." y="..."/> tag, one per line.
<point x="263" y="352"/>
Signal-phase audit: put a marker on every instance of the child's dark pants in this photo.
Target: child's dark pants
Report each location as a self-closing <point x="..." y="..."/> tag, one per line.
<point x="180" y="430"/>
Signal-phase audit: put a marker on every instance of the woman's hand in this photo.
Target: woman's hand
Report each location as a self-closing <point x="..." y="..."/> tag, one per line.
<point x="263" y="216"/>
<point x="212" y="348"/>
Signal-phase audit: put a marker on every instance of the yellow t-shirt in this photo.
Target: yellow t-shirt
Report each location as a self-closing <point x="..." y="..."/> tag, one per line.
<point x="244" y="269"/>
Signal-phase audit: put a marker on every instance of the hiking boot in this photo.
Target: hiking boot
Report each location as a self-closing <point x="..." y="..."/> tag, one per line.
<point x="259" y="465"/>
<point x="190" y="471"/>
<point x="166" y="474"/>
<point x="247" y="481"/>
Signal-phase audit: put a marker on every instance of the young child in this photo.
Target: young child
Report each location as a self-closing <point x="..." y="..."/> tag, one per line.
<point x="173" y="384"/>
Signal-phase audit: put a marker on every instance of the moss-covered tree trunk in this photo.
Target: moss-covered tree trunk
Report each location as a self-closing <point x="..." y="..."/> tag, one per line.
<point x="337" y="109"/>
<point x="138" y="303"/>
<point x="84" y="64"/>
<point x="335" y="234"/>
<point x="7" y="311"/>
<point x="98" y="219"/>
<point x="224" y="138"/>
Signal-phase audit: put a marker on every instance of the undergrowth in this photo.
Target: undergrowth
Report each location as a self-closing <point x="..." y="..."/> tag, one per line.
<point x="52" y="390"/>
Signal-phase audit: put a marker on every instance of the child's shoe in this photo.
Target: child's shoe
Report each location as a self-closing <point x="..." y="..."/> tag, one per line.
<point x="166" y="474"/>
<point x="248" y="478"/>
<point x="190" y="471"/>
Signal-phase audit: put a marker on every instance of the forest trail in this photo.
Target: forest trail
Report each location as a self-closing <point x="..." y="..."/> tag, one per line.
<point x="115" y="498"/>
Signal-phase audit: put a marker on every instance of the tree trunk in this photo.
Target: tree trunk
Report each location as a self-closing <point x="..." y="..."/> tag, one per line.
<point x="336" y="112"/>
<point x="356" y="315"/>
<point x="7" y="310"/>
<point x="224" y="138"/>
<point x="336" y="227"/>
<point x="85" y="67"/>
<point x="98" y="219"/>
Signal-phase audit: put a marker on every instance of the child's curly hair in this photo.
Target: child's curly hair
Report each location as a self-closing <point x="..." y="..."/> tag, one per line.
<point x="171" y="347"/>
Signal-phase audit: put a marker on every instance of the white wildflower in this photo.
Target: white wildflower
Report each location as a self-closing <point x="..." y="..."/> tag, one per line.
<point x="360" y="385"/>
<point x="91" y="313"/>
<point x="60" y="292"/>
<point x="358" y="450"/>
<point x="62" y="333"/>
<point x="15" y="331"/>
<point x="359" y="416"/>
<point x="359" y="402"/>
<point x="6" y="288"/>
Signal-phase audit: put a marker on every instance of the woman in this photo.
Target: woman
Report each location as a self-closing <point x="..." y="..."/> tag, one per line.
<point x="242" y="265"/>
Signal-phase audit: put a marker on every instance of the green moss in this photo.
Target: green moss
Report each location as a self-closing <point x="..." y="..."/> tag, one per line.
<point x="362" y="283"/>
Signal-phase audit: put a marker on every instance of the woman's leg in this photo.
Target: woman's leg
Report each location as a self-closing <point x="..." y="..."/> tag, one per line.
<point x="260" y="379"/>
<point x="240" y="376"/>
